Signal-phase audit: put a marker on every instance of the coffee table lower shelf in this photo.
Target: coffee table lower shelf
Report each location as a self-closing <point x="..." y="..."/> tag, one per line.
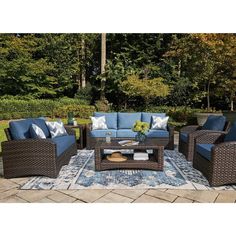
<point x="155" y="162"/>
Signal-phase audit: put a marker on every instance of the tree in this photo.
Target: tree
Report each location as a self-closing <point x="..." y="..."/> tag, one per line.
<point x="146" y="88"/>
<point x="103" y="64"/>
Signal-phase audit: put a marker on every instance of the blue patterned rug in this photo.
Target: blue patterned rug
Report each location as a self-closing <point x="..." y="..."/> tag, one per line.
<point x="80" y="174"/>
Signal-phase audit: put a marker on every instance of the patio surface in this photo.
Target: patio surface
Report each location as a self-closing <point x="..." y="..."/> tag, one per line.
<point x="10" y="193"/>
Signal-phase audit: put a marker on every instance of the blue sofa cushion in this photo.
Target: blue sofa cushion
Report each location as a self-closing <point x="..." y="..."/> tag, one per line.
<point x="158" y="134"/>
<point x="127" y="120"/>
<point x="63" y="143"/>
<point x="147" y="116"/>
<point x="125" y="133"/>
<point x="42" y="124"/>
<point x="231" y="135"/>
<point x="215" y="123"/>
<point x="20" y="129"/>
<point x="101" y="133"/>
<point x="184" y="137"/>
<point x="204" y="150"/>
<point x="111" y="119"/>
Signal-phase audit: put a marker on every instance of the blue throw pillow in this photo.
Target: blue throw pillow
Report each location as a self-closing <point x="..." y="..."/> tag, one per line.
<point x="215" y="123"/>
<point x="231" y="136"/>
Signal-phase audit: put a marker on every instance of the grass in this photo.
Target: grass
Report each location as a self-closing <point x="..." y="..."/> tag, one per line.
<point x="4" y="124"/>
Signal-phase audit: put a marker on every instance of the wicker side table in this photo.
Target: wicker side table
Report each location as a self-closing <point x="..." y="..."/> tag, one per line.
<point x="155" y="162"/>
<point x="81" y="141"/>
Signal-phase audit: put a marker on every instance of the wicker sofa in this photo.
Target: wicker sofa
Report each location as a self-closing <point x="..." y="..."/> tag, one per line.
<point x="25" y="156"/>
<point x="215" y="156"/>
<point x="120" y="125"/>
<point x="188" y="134"/>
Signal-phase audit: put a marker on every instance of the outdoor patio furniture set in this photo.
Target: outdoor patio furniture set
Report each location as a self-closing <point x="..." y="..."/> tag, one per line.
<point x="212" y="147"/>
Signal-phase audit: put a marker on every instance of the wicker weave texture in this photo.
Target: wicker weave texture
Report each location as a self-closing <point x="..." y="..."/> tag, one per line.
<point x="187" y="148"/>
<point x="33" y="157"/>
<point x="221" y="169"/>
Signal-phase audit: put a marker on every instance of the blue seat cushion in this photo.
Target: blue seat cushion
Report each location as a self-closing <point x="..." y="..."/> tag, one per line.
<point x="231" y="135"/>
<point x="20" y="129"/>
<point x="127" y="120"/>
<point x="158" y="134"/>
<point x="111" y="119"/>
<point x="125" y="133"/>
<point x="101" y="133"/>
<point x="215" y="123"/>
<point x="63" y="143"/>
<point x="42" y="124"/>
<point x="147" y="116"/>
<point x="204" y="150"/>
<point x="184" y="137"/>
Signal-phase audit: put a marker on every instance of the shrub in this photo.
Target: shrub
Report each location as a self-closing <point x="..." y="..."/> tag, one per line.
<point x="16" y="109"/>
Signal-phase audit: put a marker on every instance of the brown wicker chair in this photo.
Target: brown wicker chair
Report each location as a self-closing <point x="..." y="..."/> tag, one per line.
<point x="193" y="131"/>
<point x="31" y="157"/>
<point x="221" y="168"/>
<point x="166" y="142"/>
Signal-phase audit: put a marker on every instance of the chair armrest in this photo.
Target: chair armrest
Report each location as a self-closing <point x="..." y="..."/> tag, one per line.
<point x="189" y="128"/>
<point x="225" y="151"/>
<point x="212" y="137"/>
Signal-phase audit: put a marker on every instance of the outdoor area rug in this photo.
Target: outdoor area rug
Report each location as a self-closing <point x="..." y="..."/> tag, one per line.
<point x="80" y="174"/>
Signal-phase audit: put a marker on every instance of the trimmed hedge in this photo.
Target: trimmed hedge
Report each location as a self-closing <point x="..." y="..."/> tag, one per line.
<point x="16" y="109"/>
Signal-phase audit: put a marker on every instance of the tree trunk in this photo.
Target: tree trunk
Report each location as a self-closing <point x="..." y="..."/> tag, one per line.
<point x="179" y="69"/>
<point x="83" y="70"/>
<point x="231" y="105"/>
<point x="103" y="64"/>
<point x="208" y="95"/>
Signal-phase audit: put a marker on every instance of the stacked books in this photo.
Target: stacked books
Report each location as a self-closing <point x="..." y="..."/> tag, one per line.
<point x="128" y="143"/>
<point x="141" y="156"/>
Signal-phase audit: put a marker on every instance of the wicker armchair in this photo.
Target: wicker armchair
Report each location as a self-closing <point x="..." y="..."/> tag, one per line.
<point x="30" y="157"/>
<point x="221" y="168"/>
<point x="193" y="131"/>
<point x="166" y="142"/>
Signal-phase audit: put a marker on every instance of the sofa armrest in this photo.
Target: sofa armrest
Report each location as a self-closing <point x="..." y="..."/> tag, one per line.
<point x="211" y="137"/>
<point x="189" y="128"/>
<point x="26" y="147"/>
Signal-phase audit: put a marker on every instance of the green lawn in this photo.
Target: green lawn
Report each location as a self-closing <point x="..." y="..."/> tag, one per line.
<point x="4" y="124"/>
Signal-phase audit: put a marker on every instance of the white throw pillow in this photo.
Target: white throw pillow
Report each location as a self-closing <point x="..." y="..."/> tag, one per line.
<point x="159" y="122"/>
<point x="98" y="122"/>
<point x="56" y="128"/>
<point x="37" y="132"/>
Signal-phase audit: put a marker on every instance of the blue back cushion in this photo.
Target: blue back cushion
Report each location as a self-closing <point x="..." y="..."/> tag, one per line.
<point x="231" y="136"/>
<point x="42" y="124"/>
<point x="215" y="123"/>
<point x="147" y="116"/>
<point x="20" y="129"/>
<point x="127" y="120"/>
<point x="111" y="119"/>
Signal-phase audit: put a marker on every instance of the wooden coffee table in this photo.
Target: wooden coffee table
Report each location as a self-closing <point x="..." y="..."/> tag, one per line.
<point x="155" y="162"/>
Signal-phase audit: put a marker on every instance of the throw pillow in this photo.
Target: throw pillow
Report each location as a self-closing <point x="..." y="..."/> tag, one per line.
<point x="36" y="132"/>
<point x="98" y="122"/>
<point x="159" y="122"/>
<point x="214" y="123"/>
<point x="56" y="128"/>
